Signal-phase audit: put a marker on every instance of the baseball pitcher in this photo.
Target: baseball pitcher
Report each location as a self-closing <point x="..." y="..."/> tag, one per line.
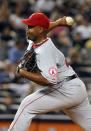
<point x="62" y="88"/>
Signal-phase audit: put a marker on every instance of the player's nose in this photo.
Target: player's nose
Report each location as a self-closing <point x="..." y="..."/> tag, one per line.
<point x="27" y="30"/>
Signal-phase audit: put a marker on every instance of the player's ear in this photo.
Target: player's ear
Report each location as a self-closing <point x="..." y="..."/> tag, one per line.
<point x="40" y="29"/>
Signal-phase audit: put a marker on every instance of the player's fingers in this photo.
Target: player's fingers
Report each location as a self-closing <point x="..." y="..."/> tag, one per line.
<point x="25" y="69"/>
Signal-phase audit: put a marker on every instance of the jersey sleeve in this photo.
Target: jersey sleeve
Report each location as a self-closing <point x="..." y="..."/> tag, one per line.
<point x="46" y="61"/>
<point x="50" y="74"/>
<point x="49" y="70"/>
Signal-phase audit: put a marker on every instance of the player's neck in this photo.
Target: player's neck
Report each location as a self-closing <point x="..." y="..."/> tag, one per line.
<point x="40" y="40"/>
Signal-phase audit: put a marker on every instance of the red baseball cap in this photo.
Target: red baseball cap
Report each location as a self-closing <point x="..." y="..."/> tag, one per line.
<point x="37" y="19"/>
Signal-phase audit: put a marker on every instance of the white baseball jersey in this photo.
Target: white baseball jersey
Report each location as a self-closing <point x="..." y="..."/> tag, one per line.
<point x="53" y="65"/>
<point x="69" y="96"/>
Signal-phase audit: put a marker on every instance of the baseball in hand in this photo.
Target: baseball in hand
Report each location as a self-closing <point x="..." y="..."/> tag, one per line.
<point x="69" y="20"/>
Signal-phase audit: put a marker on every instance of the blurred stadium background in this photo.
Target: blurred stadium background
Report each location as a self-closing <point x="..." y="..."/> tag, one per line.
<point x="74" y="42"/>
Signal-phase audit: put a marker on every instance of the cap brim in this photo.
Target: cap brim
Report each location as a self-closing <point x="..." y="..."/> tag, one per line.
<point x="26" y="21"/>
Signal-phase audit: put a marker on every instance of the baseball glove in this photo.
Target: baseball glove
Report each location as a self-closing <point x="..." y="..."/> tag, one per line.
<point x="28" y="60"/>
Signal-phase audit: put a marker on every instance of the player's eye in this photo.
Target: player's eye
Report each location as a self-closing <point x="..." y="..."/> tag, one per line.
<point x="30" y="27"/>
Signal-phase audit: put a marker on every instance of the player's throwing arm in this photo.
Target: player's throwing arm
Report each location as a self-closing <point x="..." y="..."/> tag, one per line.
<point x="65" y="21"/>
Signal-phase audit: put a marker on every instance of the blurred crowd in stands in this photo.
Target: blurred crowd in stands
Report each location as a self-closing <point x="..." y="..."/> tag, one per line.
<point x="74" y="42"/>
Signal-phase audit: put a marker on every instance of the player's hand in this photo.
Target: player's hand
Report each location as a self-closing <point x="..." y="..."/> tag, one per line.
<point x="61" y="21"/>
<point x="69" y="21"/>
<point x="66" y="20"/>
<point x="22" y="71"/>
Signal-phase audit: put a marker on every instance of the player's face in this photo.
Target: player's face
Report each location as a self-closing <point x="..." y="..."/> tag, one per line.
<point x="32" y="33"/>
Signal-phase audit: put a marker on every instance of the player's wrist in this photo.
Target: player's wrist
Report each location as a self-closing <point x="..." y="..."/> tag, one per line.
<point x="61" y="21"/>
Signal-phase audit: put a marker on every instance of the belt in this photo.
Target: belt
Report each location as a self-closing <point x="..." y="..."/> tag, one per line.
<point x="69" y="78"/>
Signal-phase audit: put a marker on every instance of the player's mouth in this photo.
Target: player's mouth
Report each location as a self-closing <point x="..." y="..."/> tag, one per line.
<point x="28" y="34"/>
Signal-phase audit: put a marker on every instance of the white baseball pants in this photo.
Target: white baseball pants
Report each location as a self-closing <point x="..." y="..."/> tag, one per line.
<point x="71" y="97"/>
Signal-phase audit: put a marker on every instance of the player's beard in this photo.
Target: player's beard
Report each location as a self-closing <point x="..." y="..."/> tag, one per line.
<point x="33" y="38"/>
